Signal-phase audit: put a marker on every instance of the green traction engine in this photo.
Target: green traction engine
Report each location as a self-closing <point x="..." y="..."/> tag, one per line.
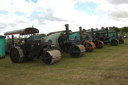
<point x="63" y="41"/>
<point x="114" y="34"/>
<point x="107" y="36"/>
<point x="88" y="44"/>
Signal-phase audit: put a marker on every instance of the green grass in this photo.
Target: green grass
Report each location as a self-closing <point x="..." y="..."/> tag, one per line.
<point x="107" y="66"/>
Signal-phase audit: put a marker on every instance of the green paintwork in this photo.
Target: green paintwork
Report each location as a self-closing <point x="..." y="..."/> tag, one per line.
<point x="2" y="46"/>
<point x="37" y="37"/>
<point x="85" y="36"/>
<point x="112" y="36"/>
<point x="73" y="35"/>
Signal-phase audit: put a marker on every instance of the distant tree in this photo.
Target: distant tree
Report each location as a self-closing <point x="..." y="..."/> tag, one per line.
<point x="102" y="27"/>
<point x="114" y="28"/>
<point x="111" y="28"/>
<point x="84" y="30"/>
<point x="125" y="29"/>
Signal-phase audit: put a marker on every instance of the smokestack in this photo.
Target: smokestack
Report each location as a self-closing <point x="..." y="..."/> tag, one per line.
<point x="92" y="33"/>
<point x="13" y="44"/>
<point x="107" y="31"/>
<point x="80" y="29"/>
<point x="67" y="30"/>
<point x="116" y="34"/>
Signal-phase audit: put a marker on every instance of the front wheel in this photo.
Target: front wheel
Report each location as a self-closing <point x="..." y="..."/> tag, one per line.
<point x="51" y="56"/>
<point x="76" y="50"/>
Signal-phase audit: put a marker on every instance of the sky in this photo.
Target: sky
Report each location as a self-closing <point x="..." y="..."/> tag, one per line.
<point x="51" y="15"/>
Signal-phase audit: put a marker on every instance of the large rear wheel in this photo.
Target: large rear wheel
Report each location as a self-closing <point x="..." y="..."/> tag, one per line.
<point x="99" y="44"/>
<point x="16" y="55"/>
<point x="90" y="46"/>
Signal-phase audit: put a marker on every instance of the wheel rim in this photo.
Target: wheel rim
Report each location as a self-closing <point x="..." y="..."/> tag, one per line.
<point x="89" y="47"/>
<point x="121" y="41"/>
<point x="100" y="44"/>
<point x="14" y="54"/>
<point x="114" y="42"/>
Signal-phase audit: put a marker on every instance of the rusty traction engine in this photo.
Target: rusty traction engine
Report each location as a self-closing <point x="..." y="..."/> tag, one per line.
<point x="90" y="35"/>
<point x="31" y="47"/>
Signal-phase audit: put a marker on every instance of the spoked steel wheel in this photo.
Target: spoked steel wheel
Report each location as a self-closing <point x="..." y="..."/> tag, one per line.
<point x="16" y="55"/>
<point x="114" y="42"/>
<point x="100" y="44"/>
<point x="121" y="41"/>
<point x="89" y="46"/>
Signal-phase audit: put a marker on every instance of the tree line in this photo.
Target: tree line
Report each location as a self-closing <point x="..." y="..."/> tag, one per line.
<point x="122" y="30"/>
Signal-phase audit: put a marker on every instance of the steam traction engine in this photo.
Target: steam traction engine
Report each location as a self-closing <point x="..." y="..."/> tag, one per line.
<point x="107" y="37"/>
<point x="83" y="39"/>
<point x="31" y="46"/>
<point x="63" y="41"/>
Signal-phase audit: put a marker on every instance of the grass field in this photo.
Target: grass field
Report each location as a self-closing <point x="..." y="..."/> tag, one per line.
<point x="107" y="66"/>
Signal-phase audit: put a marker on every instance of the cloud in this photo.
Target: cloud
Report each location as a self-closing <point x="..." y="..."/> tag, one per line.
<point x="12" y="22"/>
<point x="51" y="15"/>
<point x="115" y="9"/>
<point x="118" y="1"/>
<point x="14" y="5"/>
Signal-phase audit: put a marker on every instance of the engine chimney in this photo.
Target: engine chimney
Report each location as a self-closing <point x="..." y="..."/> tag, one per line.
<point x="80" y="29"/>
<point x="67" y="30"/>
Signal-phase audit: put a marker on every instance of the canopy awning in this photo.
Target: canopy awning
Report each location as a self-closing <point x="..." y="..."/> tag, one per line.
<point x="29" y="30"/>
